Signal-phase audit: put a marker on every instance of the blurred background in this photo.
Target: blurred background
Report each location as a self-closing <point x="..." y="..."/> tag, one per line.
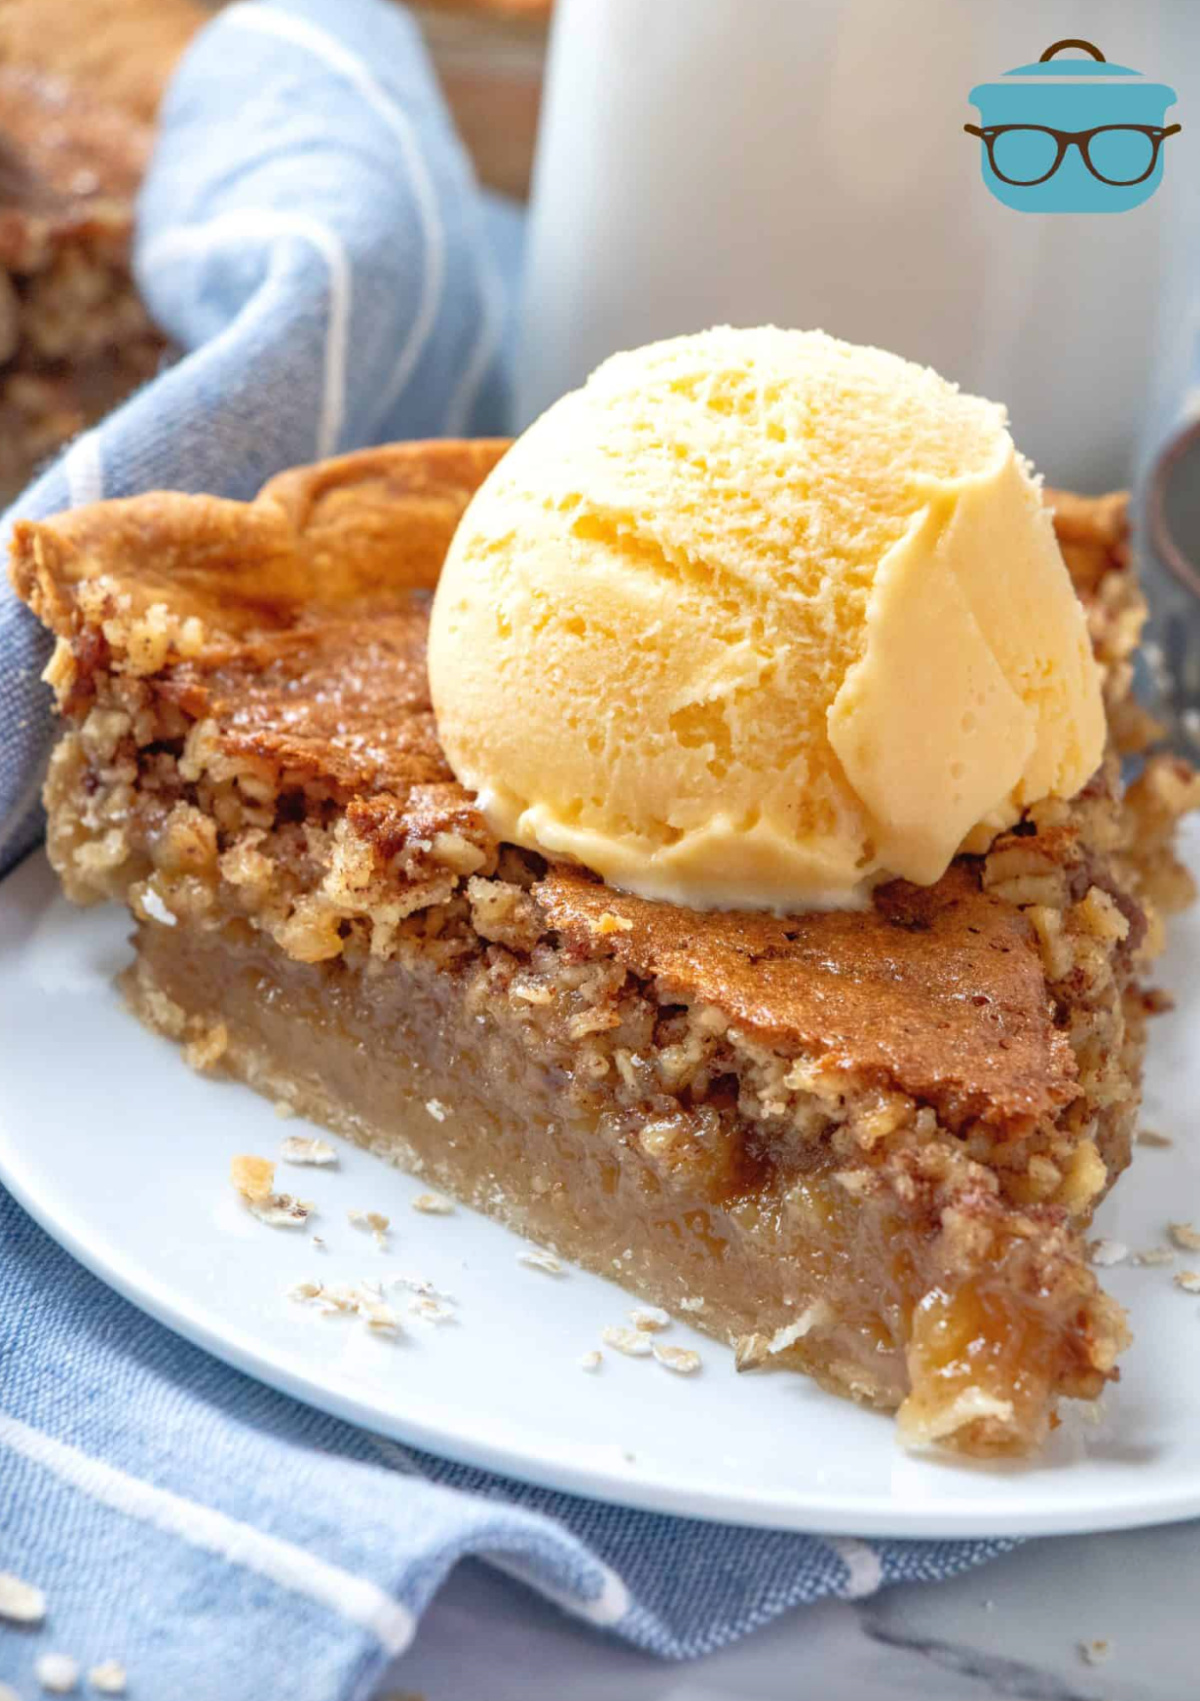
<point x="704" y="161"/>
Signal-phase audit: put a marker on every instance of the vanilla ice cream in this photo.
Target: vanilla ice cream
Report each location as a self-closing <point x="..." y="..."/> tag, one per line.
<point x="757" y="618"/>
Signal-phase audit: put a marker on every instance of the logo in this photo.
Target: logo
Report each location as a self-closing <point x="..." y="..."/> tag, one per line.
<point x="1072" y="135"/>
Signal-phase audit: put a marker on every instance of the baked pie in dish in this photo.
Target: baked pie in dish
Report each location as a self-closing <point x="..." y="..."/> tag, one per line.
<point x="870" y="1141"/>
<point x="75" y="338"/>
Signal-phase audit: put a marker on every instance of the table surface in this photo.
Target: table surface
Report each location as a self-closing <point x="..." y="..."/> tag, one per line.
<point x="1011" y="1629"/>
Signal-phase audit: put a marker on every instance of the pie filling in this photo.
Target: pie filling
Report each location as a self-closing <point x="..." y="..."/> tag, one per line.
<point x="865" y="1146"/>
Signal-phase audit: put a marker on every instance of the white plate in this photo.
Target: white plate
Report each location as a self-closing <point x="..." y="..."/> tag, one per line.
<point x="122" y="1153"/>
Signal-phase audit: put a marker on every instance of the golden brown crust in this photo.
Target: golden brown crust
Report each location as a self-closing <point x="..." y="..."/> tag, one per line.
<point x="366" y="529"/>
<point x="939" y="990"/>
<point x="308" y="610"/>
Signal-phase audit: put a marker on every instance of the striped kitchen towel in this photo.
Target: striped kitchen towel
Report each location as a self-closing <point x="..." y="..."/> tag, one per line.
<point x="312" y="240"/>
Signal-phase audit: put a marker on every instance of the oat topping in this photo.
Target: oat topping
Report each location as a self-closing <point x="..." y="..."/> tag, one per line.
<point x="682" y="1360"/>
<point x="20" y="1603"/>
<point x="1105" y="1253"/>
<point x="1188" y="1280"/>
<point x="108" y="1678"/>
<point x="433" y="1204"/>
<point x="1184" y="1236"/>
<point x="537" y="1258"/>
<point x="634" y="1343"/>
<point x="1153" y="1256"/>
<point x="283" y="1109"/>
<point x="57" y="1673"/>
<point x="691" y="1303"/>
<point x="590" y="1361"/>
<point x="302" y="1291"/>
<point x="650" y="1318"/>
<point x="436" y="1109"/>
<point x="299" y="1149"/>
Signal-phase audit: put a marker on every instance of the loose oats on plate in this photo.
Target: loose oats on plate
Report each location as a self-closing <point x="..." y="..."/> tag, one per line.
<point x="371" y="1222"/>
<point x="634" y="1343"/>
<point x="433" y="1204"/>
<point x="682" y="1360"/>
<point x="300" y="1149"/>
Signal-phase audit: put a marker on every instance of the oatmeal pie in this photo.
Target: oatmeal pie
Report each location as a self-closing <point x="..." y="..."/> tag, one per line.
<point x="74" y="335"/>
<point x="870" y="1143"/>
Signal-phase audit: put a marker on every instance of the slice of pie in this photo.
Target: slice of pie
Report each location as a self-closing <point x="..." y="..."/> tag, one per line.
<point x="863" y="1145"/>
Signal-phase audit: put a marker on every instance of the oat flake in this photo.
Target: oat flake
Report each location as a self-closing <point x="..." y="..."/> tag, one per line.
<point x="632" y="1342"/>
<point x="57" y="1673"/>
<point x="682" y="1360"/>
<point x="650" y="1318"/>
<point x="433" y="1204"/>
<point x="299" y="1149"/>
<point x="108" y="1678"/>
<point x="1106" y="1253"/>
<point x="281" y="1210"/>
<point x="20" y="1603"/>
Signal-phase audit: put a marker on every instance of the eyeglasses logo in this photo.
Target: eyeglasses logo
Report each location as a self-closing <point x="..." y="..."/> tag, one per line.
<point x="1072" y="135"/>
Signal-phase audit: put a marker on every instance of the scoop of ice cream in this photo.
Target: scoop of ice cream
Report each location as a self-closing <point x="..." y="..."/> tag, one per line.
<point x="756" y="618"/>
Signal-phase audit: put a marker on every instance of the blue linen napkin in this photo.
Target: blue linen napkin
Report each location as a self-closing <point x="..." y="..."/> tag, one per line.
<point x="312" y="239"/>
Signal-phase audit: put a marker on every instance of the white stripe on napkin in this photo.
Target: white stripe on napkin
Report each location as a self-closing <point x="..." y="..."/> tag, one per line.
<point x="863" y="1566"/>
<point x="246" y="224"/>
<point x="83" y="469"/>
<point x="608" y="1607"/>
<point x="251" y="15"/>
<point x="355" y="1598"/>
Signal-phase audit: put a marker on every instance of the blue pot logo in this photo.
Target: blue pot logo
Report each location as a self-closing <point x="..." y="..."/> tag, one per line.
<point x="1072" y="135"/>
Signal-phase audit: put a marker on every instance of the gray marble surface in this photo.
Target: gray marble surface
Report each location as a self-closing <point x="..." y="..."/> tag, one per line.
<point x="1010" y="1629"/>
